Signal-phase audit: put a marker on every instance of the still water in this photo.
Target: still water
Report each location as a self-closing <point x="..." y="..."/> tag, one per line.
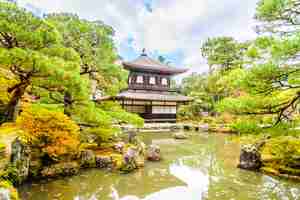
<point x="200" y="168"/>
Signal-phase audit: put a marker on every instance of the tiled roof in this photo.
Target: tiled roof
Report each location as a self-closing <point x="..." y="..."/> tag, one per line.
<point x="146" y="64"/>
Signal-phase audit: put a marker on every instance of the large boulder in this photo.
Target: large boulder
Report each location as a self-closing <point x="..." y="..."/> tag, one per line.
<point x="250" y="157"/>
<point x="129" y="160"/>
<point x="280" y="156"/>
<point x="20" y="160"/>
<point x="180" y="135"/>
<point x="141" y="150"/>
<point x="104" y="161"/>
<point x="204" y="127"/>
<point x="153" y="153"/>
<point x="60" y="169"/>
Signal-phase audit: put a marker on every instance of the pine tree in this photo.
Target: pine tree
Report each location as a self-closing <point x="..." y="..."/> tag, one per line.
<point x="31" y="50"/>
<point x="272" y="81"/>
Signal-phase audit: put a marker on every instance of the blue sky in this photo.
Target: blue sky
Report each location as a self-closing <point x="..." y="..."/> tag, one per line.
<point x="172" y="28"/>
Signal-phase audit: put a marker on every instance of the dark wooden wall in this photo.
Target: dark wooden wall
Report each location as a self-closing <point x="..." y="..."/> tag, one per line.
<point x="146" y="85"/>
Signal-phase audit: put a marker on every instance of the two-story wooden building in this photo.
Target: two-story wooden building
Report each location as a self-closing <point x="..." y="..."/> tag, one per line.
<point x="149" y="93"/>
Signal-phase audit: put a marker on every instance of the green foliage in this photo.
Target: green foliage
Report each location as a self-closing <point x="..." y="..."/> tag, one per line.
<point x="93" y="42"/>
<point x="271" y="9"/>
<point x="58" y="61"/>
<point x="120" y="115"/>
<point x="271" y="82"/>
<point x="31" y="50"/>
<point x="225" y="58"/>
<point x="223" y="52"/>
<point x="209" y="90"/>
<point x="280" y="155"/>
<point x="246" y="126"/>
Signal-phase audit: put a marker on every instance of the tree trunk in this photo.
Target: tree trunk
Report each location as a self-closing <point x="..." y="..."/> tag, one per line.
<point x="67" y="103"/>
<point x="12" y="108"/>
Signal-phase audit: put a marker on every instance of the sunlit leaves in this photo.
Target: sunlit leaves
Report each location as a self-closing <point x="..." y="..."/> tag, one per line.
<point x="93" y="42"/>
<point x="223" y="52"/>
<point x="19" y="28"/>
<point x="54" y="133"/>
<point x="271" y="9"/>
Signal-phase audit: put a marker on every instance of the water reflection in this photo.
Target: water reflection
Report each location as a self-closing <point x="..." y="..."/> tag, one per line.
<point x="196" y="184"/>
<point x="202" y="167"/>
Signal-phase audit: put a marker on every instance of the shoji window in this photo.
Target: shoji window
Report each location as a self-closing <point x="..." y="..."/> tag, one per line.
<point x="164" y="109"/>
<point x="164" y="81"/>
<point x="139" y="79"/>
<point x="152" y="80"/>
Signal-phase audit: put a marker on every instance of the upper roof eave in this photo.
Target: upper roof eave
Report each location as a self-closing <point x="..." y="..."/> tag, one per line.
<point x="143" y="68"/>
<point x="146" y="64"/>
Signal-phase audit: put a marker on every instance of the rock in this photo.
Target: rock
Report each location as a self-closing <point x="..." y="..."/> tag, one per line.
<point x="140" y="161"/>
<point x="20" y="160"/>
<point x="87" y="158"/>
<point x="60" y="169"/>
<point x="141" y="147"/>
<point x="187" y="127"/>
<point x="132" y="136"/>
<point x="153" y="153"/>
<point x="250" y="158"/>
<point x="180" y="135"/>
<point x="204" y="127"/>
<point x="103" y="161"/>
<point x="119" y="147"/>
<point x="280" y="156"/>
<point x="130" y="157"/>
<point x="35" y="168"/>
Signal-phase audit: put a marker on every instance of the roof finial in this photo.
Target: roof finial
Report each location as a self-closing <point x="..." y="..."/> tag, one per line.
<point x="144" y="52"/>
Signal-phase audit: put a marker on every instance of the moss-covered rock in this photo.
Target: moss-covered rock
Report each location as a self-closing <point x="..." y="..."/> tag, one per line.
<point x="250" y="157"/>
<point x="87" y="159"/>
<point x="130" y="157"/>
<point x="153" y="153"/>
<point x="60" y="169"/>
<point x="281" y="156"/>
<point x="104" y="161"/>
<point x="278" y="156"/>
<point x="90" y="146"/>
<point x="20" y="160"/>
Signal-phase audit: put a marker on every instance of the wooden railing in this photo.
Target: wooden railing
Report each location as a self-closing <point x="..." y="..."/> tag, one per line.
<point x="158" y="116"/>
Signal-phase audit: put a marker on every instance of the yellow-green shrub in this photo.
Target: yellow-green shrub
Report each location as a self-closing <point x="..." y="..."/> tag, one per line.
<point x="53" y="132"/>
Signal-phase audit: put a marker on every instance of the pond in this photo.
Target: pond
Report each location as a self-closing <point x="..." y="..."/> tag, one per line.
<point x="200" y="168"/>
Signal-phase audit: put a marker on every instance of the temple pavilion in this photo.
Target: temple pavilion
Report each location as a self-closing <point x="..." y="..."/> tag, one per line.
<point x="149" y="93"/>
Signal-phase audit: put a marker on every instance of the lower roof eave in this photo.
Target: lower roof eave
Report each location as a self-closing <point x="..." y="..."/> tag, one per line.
<point x="158" y="100"/>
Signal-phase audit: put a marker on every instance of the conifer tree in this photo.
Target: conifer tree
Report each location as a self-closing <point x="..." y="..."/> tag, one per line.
<point x="272" y="81"/>
<point x="31" y="50"/>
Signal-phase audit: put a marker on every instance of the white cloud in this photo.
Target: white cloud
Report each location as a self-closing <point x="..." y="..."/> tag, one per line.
<point x="174" y="25"/>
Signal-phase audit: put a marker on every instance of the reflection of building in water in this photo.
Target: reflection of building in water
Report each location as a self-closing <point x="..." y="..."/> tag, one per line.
<point x="196" y="181"/>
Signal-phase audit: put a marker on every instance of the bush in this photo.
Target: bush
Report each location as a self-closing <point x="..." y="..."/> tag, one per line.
<point x="246" y="126"/>
<point x="281" y="155"/>
<point x="56" y="135"/>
